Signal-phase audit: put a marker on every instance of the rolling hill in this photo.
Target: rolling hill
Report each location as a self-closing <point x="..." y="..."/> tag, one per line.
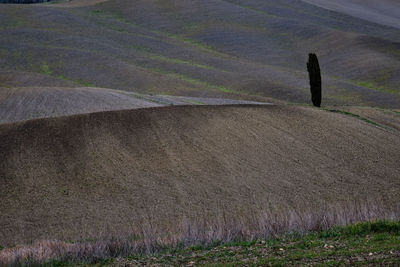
<point x="168" y="122"/>
<point x="25" y="103"/>
<point x="252" y="50"/>
<point x="248" y="168"/>
<point x="383" y="12"/>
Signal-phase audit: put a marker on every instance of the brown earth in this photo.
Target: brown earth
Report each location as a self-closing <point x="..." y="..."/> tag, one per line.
<point x="90" y="175"/>
<point x="386" y="117"/>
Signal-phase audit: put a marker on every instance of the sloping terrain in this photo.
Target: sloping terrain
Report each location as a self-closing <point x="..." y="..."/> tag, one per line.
<point x="384" y="117"/>
<point x="385" y="12"/>
<point x="252" y="50"/>
<point x="158" y="171"/>
<point x="25" y="103"/>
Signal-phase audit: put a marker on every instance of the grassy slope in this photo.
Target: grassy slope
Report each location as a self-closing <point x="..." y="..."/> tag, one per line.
<point x="364" y="244"/>
<point x="204" y="48"/>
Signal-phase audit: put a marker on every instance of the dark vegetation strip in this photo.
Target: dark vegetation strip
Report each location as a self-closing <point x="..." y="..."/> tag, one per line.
<point x="358" y="117"/>
<point x="374" y="243"/>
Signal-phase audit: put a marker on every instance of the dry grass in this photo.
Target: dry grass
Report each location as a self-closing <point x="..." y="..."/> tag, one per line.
<point x="202" y="231"/>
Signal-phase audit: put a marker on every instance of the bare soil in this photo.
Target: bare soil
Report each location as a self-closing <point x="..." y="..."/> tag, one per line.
<point x="91" y="175"/>
<point x="386" y="117"/>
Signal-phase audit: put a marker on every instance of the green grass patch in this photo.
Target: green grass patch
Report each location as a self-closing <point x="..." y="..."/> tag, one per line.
<point x="45" y="69"/>
<point x="376" y="243"/>
<point x="362" y="229"/>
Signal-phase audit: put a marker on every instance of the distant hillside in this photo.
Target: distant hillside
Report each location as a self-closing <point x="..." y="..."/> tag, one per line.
<point x="384" y="12"/>
<point x="251" y="49"/>
<point x="194" y="171"/>
<point x="23" y="1"/>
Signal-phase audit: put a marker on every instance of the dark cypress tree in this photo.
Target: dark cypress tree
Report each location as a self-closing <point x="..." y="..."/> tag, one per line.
<point x="314" y="73"/>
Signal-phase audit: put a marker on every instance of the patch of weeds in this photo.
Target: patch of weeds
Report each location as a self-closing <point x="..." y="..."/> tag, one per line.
<point x="1" y="247"/>
<point x="335" y="232"/>
<point x="272" y="261"/>
<point x="133" y="257"/>
<point x="241" y="243"/>
<point x="380" y="237"/>
<point x="45" y="69"/>
<point x="362" y="229"/>
<point x="197" y="248"/>
<point x="333" y="263"/>
<point x="55" y="263"/>
<point x="372" y="227"/>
